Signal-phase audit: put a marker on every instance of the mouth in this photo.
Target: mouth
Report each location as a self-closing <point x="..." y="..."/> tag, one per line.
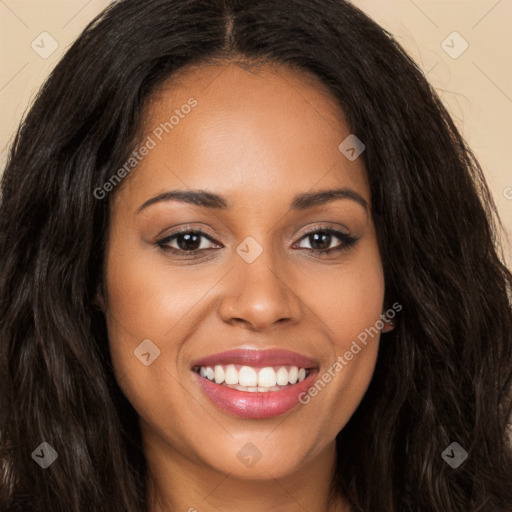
<point x="253" y="379"/>
<point x="255" y="383"/>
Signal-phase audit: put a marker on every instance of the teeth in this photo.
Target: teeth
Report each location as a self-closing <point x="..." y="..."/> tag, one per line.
<point x="247" y="376"/>
<point x="251" y="379"/>
<point x="231" y="374"/>
<point x="219" y="374"/>
<point x="267" y="377"/>
<point x="293" y="375"/>
<point x="282" y="377"/>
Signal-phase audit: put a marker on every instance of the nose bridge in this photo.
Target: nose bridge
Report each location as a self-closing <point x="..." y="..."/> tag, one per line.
<point x="258" y="291"/>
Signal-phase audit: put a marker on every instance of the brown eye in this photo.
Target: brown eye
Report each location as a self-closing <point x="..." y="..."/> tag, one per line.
<point x="321" y="239"/>
<point x="186" y="242"/>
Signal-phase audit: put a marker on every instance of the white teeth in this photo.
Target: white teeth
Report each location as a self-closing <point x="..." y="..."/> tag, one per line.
<point x="267" y="377"/>
<point x="231" y="374"/>
<point x="247" y="376"/>
<point x="253" y="388"/>
<point x="282" y="377"/>
<point x="252" y="379"/>
<point x="219" y="374"/>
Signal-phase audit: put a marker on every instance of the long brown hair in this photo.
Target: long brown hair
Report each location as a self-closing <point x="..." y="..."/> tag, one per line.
<point x="443" y="375"/>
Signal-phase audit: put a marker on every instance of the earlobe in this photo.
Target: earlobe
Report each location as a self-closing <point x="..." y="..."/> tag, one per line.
<point x="389" y="325"/>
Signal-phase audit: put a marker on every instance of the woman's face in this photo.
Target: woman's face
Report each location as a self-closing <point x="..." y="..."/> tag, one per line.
<point x="265" y="141"/>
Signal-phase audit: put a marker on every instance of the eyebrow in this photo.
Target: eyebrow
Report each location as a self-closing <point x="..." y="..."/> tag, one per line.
<point x="211" y="200"/>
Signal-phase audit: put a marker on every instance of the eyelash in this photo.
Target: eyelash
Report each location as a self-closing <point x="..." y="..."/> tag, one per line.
<point x="347" y="241"/>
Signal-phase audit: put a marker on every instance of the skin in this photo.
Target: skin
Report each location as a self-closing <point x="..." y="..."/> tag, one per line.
<point x="257" y="137"/>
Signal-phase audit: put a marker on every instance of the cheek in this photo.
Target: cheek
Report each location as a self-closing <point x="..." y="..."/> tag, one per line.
<point x="358" y="323"/>
<point x="347" y="299"/>
<point x="358" y="303"/>
<point x="145" y="296"/>
<point x="145" y="302"/>
<point x="139" y="300"/>
<point x="349" y="304"/>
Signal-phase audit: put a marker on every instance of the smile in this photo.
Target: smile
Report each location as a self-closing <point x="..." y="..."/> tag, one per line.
<point x="255" y="383"/>
<point x="247" y="378"/>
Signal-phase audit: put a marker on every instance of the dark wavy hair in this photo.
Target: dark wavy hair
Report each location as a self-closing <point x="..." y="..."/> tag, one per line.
<point x="444" y="374"/>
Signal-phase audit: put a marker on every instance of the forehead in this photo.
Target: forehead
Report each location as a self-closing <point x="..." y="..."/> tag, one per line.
<point x="253" y="134"/>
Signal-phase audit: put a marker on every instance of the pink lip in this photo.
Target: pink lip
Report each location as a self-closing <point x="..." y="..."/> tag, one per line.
<point x="257" y="358"/>
<point x="256" y="404"/>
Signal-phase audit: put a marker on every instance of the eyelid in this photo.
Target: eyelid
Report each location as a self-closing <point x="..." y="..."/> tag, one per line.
<point x="326" y="227"/>
<point x="164" y="241"/>
<point x="188" y="228"/>
<point x="346" y="239"/>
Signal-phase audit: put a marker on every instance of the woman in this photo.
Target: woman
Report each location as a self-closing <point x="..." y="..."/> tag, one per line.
<point x="248" y="262"/>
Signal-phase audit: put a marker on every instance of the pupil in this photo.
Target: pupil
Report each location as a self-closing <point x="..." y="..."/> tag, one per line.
<point x="191" y="241"/>
<point x="320" y="240"/>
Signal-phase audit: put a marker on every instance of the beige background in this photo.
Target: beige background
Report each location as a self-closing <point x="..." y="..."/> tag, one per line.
<point x="476" y="86"/>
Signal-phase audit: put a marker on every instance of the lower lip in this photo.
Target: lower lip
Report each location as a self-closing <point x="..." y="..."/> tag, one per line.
<point x="264" y="404"/>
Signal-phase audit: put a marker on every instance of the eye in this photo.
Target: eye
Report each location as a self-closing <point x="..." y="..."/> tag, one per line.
<point x="191" y="242"/>
<point x="186" y="241"/>
<point x="321" y="239"/>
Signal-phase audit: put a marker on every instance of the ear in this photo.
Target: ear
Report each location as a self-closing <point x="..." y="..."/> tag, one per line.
<point x="389" y="325"/>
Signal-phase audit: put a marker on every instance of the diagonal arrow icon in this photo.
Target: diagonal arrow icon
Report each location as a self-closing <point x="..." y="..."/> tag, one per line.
<point x="249" y="252"/>
<point x="351" y="147"/>
<point x="454" y="45"/>
<point x="454" y="455"/>
<point x="45" y="455"/>
<point x="249" y="455"/>
<point x="44" y="45"/>
<point x="147" y="352"/>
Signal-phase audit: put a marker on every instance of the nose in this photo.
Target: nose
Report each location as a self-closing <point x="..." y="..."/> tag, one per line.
<point x="259" y="294"/>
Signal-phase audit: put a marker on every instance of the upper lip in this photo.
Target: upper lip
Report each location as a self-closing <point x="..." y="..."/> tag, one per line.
<point x="257" y="357"/>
